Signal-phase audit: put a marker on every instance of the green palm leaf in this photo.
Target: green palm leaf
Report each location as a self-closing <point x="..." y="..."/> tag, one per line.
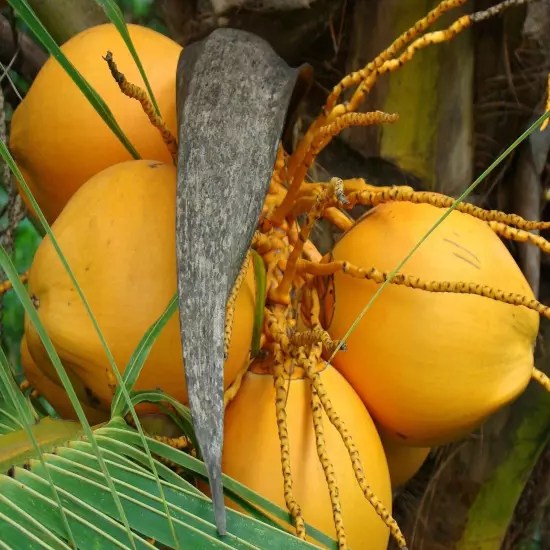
<point x="29" y="512"/>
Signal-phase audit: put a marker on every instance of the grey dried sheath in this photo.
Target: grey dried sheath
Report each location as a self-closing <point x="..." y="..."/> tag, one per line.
<point x="232" y="95"/>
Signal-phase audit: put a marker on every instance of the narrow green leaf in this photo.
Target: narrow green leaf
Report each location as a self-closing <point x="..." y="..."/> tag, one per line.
<point x="91" y="526"/>
<point x="13" y="533"/>
<point x="117" y="19"/>
<point x="8" y="417"/>
<point x="260" y="276"/>
<point x="79" y="481"/>
<point x="9" y="388"/>
<point x="31" y="20"/>
<point x="191" y="509"/>
<point x="136" y="362"/>
<point x="21" y="413"/>
<point x="30" y="523"/>
<point x="6" y="429"/>
<point x="10" y="414"/>
<point x="121" y="432"/>
<point x="27" y="240"/>
<point x="158" y="396"/>
<point x="188" y="508"/>
<point x="81" y="451"/>
<point x="46" y="407"/>
<point x="117" y="451"/>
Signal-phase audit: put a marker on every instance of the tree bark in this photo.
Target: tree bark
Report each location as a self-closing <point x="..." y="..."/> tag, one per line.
<point x="433" y="94"/>
<point x="30" y="57"/>
<point x="65" y="18"/>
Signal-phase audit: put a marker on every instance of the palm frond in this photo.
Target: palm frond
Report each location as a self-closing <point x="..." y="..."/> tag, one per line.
<point x="29" y="513"/>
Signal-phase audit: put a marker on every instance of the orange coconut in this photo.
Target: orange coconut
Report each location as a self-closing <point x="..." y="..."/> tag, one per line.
<point x="252" y="454"/>
<point x="58" y="139"/>
<point x="404" y="461"/>
<point x="54" y="392"/>
<point x="118" y="235"/>
<point x="430" y="367"/>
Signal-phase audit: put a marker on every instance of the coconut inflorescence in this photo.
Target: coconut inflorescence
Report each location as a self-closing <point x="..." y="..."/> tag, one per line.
<point x="449" y="341"/>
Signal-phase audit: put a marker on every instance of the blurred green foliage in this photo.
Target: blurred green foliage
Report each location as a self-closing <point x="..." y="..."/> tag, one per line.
<point x="139" y="8"/>
<point x="27" y="240"/>
<point x="143" y="12"/>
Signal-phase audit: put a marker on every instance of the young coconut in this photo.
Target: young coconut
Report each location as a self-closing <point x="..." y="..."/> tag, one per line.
<point x="54" y="392"/>
<point x="117" y="233"/>
<point x="430" y="366"/>
<point x="252" y="438"/>
<point x="58" y="139"/>
<point x="403" y="461"/>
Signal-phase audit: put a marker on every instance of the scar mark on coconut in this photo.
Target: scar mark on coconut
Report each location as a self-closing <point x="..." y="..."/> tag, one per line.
<point x="463" y="248"/>
<point x="466" y="260"/>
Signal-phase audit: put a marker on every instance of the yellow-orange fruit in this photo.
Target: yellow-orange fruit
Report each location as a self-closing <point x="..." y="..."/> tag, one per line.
<point x="404" y="461"/>
<point x="118" y="235"/>
<point x="430" y="367"/>
<point x="252" y="454"/>
<point x="58" y="139"/>
<point x="54" y="392"/>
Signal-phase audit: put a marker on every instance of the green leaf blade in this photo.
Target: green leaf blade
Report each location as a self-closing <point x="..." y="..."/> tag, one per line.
<point x="139" y="356"/>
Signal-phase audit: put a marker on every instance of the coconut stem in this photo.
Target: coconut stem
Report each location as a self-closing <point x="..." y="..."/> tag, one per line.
<point x="406" y="194"/>
<point x="230" y="307"/>
<point x="7" y="285"/>
<point x="410" y="281"/>
<point x="328" y="468"/>
<point x="408" y="36"/>
<point x="315" y="335"/>
<point x="235" y="386"/>
<point x="319" y="140"/>
<point x="309" y="364"/>
<point x="280" y="402"/>
<point x="281" y="294"/>
<point x="337" y="218"/>
<point x="520" y="236"/>
<point x="334" y="118"/>
<point x="337" y="422"/>
<point x="135" y="92"/>
<point x="541" y="378"/>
